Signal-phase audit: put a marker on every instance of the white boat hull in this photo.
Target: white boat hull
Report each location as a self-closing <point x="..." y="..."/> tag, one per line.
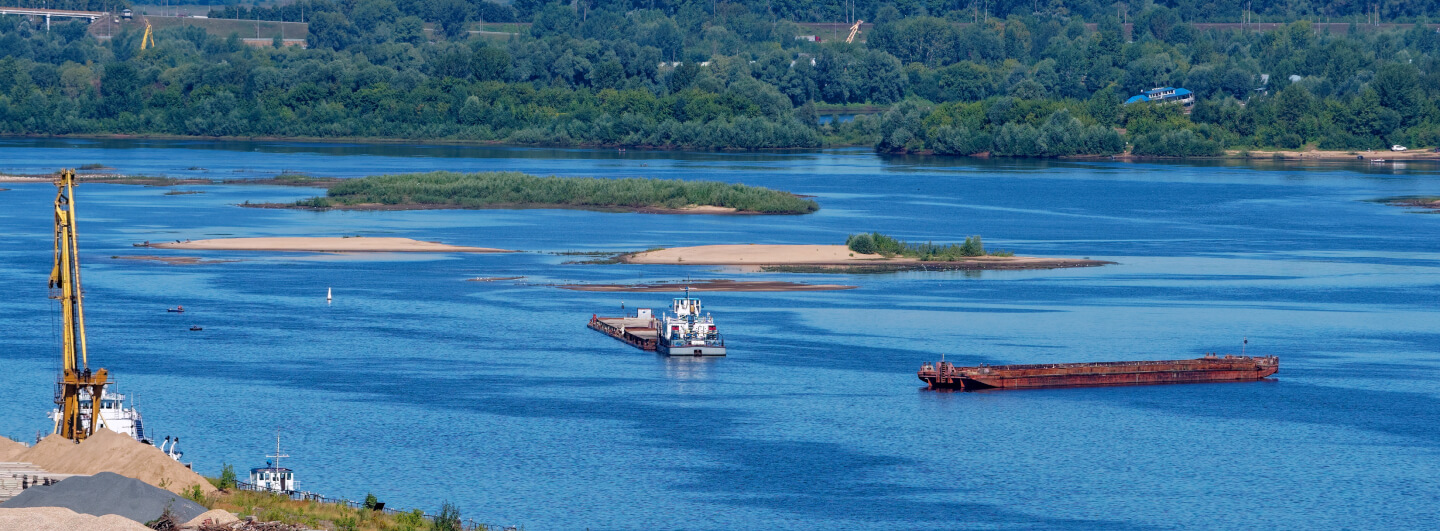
<point x="689" y="350"/>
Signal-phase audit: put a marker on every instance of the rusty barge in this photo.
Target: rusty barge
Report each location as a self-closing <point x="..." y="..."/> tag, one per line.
<point x="638" y="330"/>
<point x="1211" y="368"/>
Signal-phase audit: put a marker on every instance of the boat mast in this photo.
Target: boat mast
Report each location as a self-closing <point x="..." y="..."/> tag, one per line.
<point x="75" y="376"/>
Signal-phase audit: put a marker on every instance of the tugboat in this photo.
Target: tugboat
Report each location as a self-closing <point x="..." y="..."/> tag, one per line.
<point x="273" y="477"/>
<point x="687" y="333"/>
<point x="177" y="309"/>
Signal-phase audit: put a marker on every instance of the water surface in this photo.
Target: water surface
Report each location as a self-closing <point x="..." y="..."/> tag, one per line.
<point x="421" y="387"/>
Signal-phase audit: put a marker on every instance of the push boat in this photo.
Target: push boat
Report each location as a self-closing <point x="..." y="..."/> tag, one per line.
<point x="1211" y="368"/>
<point x="687" y="332"/>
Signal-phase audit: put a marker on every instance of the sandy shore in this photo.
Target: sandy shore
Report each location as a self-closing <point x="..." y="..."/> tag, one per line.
<point x="323" y="245"/>
<point x="706" y="285"/>
<point x="832" y="256"/>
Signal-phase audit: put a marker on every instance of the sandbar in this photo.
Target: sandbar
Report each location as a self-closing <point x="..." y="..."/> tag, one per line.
<point x="1430" y="202"/>
<point x="833" y="256"/>
<point x="707" y="285"/>
<point x="173" y="260"/>
<point x="356" y="244"/>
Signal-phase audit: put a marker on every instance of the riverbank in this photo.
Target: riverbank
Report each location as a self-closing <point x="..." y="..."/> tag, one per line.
<point x="834" y="258"/>
<point x="357" y="244"/>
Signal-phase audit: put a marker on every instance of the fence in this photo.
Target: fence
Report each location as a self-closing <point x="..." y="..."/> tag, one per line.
<point x="465" y="525"/>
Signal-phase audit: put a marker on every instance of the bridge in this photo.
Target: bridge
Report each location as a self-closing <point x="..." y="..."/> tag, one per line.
<point x="47" y="13"/>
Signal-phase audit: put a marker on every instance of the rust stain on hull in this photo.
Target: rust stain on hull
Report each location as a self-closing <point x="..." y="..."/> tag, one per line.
<point x="944" y="375"/>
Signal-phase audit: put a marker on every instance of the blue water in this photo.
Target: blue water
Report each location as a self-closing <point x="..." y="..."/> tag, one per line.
<point x="421" y="387"/>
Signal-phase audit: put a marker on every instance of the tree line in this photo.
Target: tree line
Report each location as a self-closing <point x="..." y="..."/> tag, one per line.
<point x="734" y="76"/>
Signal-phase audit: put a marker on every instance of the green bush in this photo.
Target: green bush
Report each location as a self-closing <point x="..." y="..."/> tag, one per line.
<point x="876" y="243"/>
<point x="1181" y="143"/>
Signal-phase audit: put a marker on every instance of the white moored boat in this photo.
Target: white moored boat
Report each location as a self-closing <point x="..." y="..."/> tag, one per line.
<point x="687" y="332"/>
<point x="115" y="415"/>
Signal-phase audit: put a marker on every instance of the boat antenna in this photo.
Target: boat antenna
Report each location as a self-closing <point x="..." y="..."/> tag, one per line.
<point x="1243" y="344"/>
<point x="277" y="455"/>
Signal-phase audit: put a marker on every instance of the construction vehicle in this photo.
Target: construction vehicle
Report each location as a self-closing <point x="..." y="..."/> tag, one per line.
<point x="77" y="382"/>
<point x="854" y="30"/>
<point x="148" y="37"/>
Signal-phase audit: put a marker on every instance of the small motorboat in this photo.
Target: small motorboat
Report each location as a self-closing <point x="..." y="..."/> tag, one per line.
<point x="195" y="329"/>
<point x="177" y="309"/>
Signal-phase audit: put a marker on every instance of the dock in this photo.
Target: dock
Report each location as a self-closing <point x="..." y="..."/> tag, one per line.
<point x="637" y="330"/>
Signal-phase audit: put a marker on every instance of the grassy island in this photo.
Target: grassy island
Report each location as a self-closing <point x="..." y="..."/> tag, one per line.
<point x="876" y="243"/>
<point x="519" y="190"/>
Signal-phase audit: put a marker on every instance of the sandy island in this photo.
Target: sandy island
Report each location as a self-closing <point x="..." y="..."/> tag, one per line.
<point x="321" y="245"/>
<point x="839" y="257"/>
<point x="707" y="285"/>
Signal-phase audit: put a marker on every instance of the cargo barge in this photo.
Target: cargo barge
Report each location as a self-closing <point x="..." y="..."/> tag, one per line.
<point x="638" y="330"/>
<point x="1211" y="368"/>
<point x="684" y="333"/>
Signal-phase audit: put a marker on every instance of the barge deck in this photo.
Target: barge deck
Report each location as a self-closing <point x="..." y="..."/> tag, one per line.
<point x="638" y="331"/>
<point x="1211" y="368"/>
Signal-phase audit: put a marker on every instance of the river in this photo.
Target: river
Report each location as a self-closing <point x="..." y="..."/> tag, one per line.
<point x="421" y="387"/>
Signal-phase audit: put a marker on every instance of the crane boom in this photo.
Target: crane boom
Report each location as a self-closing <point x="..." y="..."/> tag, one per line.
<point x="854" y="30"/>
<point x="75" y="375"/>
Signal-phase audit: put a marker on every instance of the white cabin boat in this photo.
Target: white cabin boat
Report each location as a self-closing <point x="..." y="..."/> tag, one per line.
<point x="273" y="477"/>
<point x="687" y="332"/>
<point x="115" y="415"/>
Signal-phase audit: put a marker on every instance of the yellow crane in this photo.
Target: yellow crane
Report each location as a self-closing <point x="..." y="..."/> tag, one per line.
<point x="854" y="30"/>
<point x="148" y="39"/>
<point x="75" y="375"/>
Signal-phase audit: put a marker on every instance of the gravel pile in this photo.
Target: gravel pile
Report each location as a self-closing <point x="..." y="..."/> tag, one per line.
<point x="108" y="493"/>
<point x="62" y="519"/>
<point x="108" y="451"/>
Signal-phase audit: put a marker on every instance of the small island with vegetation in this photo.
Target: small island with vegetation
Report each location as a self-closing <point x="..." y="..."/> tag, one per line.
<point x="450" y="190"/>
<point x="863" y="253"/>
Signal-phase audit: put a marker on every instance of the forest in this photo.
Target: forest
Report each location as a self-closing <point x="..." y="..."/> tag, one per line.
<point x="1031" y="79"/>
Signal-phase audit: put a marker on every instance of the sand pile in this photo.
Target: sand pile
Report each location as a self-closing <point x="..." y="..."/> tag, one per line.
<point x="108" y="493"/>
<point x="213" y="517"/>
<point x="108" y="451"/>
<point x="9" y="449"/>
<point x="62" y="519"/>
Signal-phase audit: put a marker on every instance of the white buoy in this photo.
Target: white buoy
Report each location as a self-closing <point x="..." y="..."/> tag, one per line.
<point x="328" y="296"/>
